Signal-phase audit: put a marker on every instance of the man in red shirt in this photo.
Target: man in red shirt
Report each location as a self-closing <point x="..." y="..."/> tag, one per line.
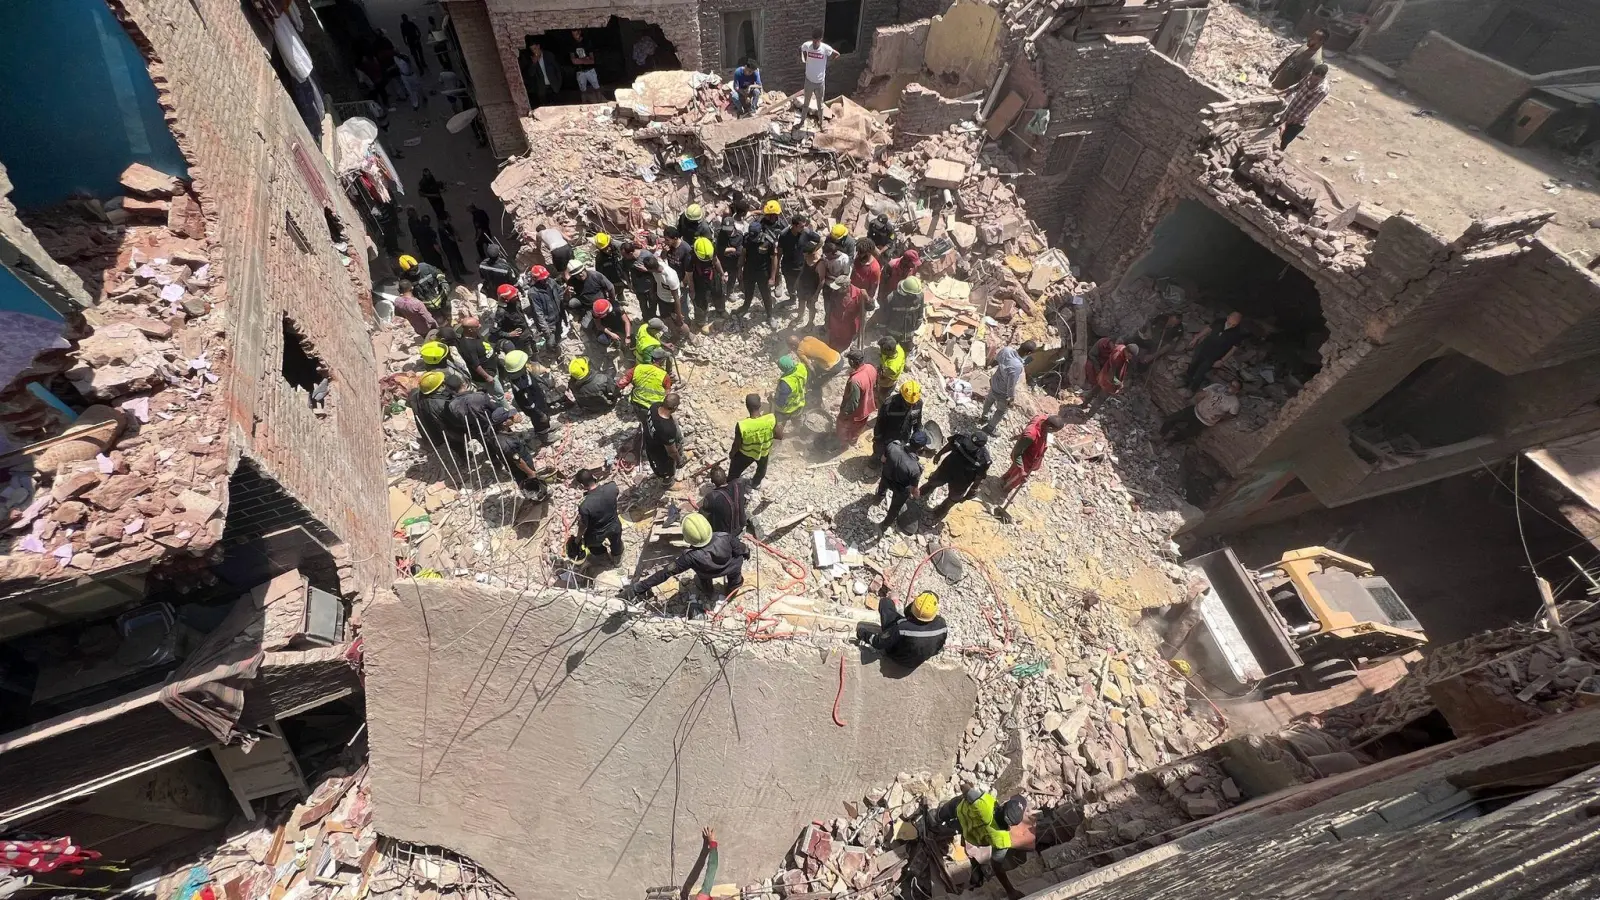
<point x="845" y="307"/>
<point x="1106" y="370"/>
<point x="1027" y="454"/>
<point x="868" y="272"/>
<point x="900" y="268"/>
<point x="859" y="401"/>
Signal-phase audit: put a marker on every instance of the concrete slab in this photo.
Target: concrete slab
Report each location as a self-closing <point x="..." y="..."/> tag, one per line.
<point x="578" y="755"/>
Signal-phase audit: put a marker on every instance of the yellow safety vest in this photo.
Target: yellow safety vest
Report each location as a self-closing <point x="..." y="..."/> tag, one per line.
<point x="755" y="436"/>
<point x="649" y="385"/>
<point x="977" y="824"/>
<point x="894" y="365"/>
<point x="644" y="344"/>
<point x="796" y="381"/>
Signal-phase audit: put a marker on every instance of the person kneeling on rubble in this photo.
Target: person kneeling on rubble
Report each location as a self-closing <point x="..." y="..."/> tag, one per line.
<point x="590" y="392"/>
<point x="986" y="824"/>
<point x="910" y="639"/>
<point x="711" y="554"/>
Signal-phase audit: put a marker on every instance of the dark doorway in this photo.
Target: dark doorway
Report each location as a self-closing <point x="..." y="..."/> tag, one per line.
<point x="622" y="49"/>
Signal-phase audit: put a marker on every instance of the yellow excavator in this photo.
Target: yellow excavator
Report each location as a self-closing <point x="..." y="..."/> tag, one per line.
<point x="1307" y="622"/>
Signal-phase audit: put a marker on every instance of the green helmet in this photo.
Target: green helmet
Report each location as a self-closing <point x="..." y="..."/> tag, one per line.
<point x="787" y="363"/>
<point x="911" y="285"/>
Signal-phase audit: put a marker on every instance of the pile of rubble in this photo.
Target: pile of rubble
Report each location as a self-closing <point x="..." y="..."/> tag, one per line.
<point x="140" y="471"/>
<point x="326" y="848"/>
<point x="1238" y="51"/>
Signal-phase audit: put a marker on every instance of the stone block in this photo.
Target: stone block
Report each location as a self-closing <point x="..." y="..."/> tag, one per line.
<point x="144" y="181"/>
<point x="943" y="173"/>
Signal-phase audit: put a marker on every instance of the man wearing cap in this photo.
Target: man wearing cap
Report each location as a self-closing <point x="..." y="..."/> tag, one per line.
<point x="668" y="293"/>
<point x="585" y="285"/>
<point x="891" y="365"/>
<point x="752" y="441"/>
<point x="1004" y="382"/>
<point x="494" y="271"/>
<point x="840" y="240"/>
<point x="430" y="284"/>
<point x="436" y="355"/>
<point x="845" y="308"/>
<point x="509" y="327"/>
<point x="903" y="312"/>
<point x="898" y="419"/>
<point x="880" y="233"/>
<point x="692" y="223"/>
<point x="545" y="296"/>
<point x="651" y="383"/>
<point x="590" y="392"/>
<point x="789" y="400"/>
<point x="963" y="463"/>
<point x="705" y="279"/>
<point x="416" y="314"/>
<point x="909" y="639"/>
<point x="712" y="555"/>
<point x="859" y="402"/>
<point x="646" y="338"/>
<point x="430" y="402"/>
<point x="901" y="478"/>
<point x="900" y="268"/>
<point x="607" y="257"/>
<point x="528" y="391"/>
<point x="598" y="528"/>
<point x="663" y="440"/>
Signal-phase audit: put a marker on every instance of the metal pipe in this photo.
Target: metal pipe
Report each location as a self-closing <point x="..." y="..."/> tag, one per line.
<point x="994" y="94"/>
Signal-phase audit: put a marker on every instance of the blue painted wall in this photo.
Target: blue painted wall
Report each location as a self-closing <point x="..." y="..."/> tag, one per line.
<point x="76" y="103"/>
<point x="16" y="297"/>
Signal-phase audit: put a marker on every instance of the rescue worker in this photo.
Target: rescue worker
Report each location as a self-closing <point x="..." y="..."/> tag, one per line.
<point x="607" y="257"/>
<point x="789" y="400"/>
<point x="651" y="382"/>
<point x="585" y="286"/>
<point x="891" y="365"/>
<point x="712" y="555"/>
<point x="903" y="312"/>
<point x="985" y="823"/>
<point x="866" y="272"/>
<point x="527" y="392"/>
<point x="859" y="401"/>
<point x="910" y="638"/>
<point x="598" y="527"/>
<point x="430" y="284"/>
<point x="471" y="412"/>
<point x="494" y="271"/>
<point x="1106" y="370"/>
<point x="793" y="243"/>
<point x="590" y="392"/>
<point x="676" y="251"/>
<point x="513" y="451"/>
<point x="898" y="419"/>
<point x="900" y="268"/>
<point x="476" y="353"/>
<point x="963" y="463"/>
<point x="727" y="502"/>
<point x="880" y="233"/>
<point x="429" y="402"/>
<point x="1027" y="454"/>
<point x="705" y="280"/>
<point x="646" y="339"/>
<point x="692" y="223"/>
<point x="840" y="241"/>
<point x="752" y="441"/>
<point x="548" y="312"/>
<point x="759" y="263"/>
<point x="663" y="440"/>
<point x="509" y="329"/>
<point x="435" y="354"/>
<point x="610" y="326"/>
<point x="901" y="478"/>
<point x="730" y="243"/>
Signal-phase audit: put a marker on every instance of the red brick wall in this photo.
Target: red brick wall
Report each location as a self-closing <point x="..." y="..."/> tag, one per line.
<point x="239" y="131"/>
<point x="502" y="99"/>
<point x="1463" y="83"/>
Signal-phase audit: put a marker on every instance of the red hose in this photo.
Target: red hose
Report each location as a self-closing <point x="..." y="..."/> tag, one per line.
<point x="837" y="697"/>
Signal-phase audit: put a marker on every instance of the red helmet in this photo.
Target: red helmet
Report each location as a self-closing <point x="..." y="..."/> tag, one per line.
<point x="602" y="308"/>
<point x="506" y="292"/>
<point x="540" y="273"/>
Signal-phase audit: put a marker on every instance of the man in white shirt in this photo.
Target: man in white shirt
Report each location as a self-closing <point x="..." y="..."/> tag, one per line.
<point x="669" y="291"/>
<point x="815" y="54"/>
<point x="1214" y="403"/>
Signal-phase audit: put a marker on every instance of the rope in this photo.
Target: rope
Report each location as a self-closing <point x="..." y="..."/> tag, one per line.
<point x="838" y="696"/>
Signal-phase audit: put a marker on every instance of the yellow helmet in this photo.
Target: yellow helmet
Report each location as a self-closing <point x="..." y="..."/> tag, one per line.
<point x="772" y="208"/>
<point x="602" y="240"/>
<point x="434" y="353"/>
<point x="694" y="212"/>
<point x="696" y="530"/>
<point x="431" y="381"/>
<point x="514" y="361"/>
<point x="407" y="263"/>
<point x="911" y="391"/>
<point x="838" y="231"/>
<point x="925" y="607"/>
<point x="578" y="368"/>
<point x="704" y="249"/>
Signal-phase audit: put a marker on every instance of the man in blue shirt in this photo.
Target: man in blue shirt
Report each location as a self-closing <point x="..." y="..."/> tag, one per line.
<point x="746" y="89"/>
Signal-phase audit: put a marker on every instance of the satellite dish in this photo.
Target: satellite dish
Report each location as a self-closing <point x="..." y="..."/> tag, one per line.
<point x="459" y="122"/>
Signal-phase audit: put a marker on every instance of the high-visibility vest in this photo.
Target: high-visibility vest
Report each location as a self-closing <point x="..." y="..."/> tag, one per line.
<point x="892" y="367"/>
<point x="978" y="826"/>
<point x="644" y="344"/>
<point x="649" y="385"/>
<point x="796" y="381"/>
<point x="755" y="436"/>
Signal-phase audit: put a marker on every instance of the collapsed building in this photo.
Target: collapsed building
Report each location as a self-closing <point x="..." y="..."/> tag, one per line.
<point x="189" y="411"/>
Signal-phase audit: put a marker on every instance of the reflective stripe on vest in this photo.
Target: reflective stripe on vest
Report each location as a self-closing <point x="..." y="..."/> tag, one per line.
<point x="796" y="381"/>
<point x="644" y="343"/>
<point x="649" y="385"/>
<point x="893" y="366"/>
<point x="755" y="436"/>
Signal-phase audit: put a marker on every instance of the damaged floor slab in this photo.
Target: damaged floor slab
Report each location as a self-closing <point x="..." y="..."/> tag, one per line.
<point x="575" y="753"/>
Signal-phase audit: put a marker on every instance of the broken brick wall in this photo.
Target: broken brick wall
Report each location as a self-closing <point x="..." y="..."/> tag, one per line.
<point x="1463" y="83"/>
<point x="264" y="185"/>
<point x="786" y="24"/>
<point x="496" y="80"/>
<point x="924" y="113"/>
<point x="1535" y="36"/>
<point x="1396" y="32"/>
